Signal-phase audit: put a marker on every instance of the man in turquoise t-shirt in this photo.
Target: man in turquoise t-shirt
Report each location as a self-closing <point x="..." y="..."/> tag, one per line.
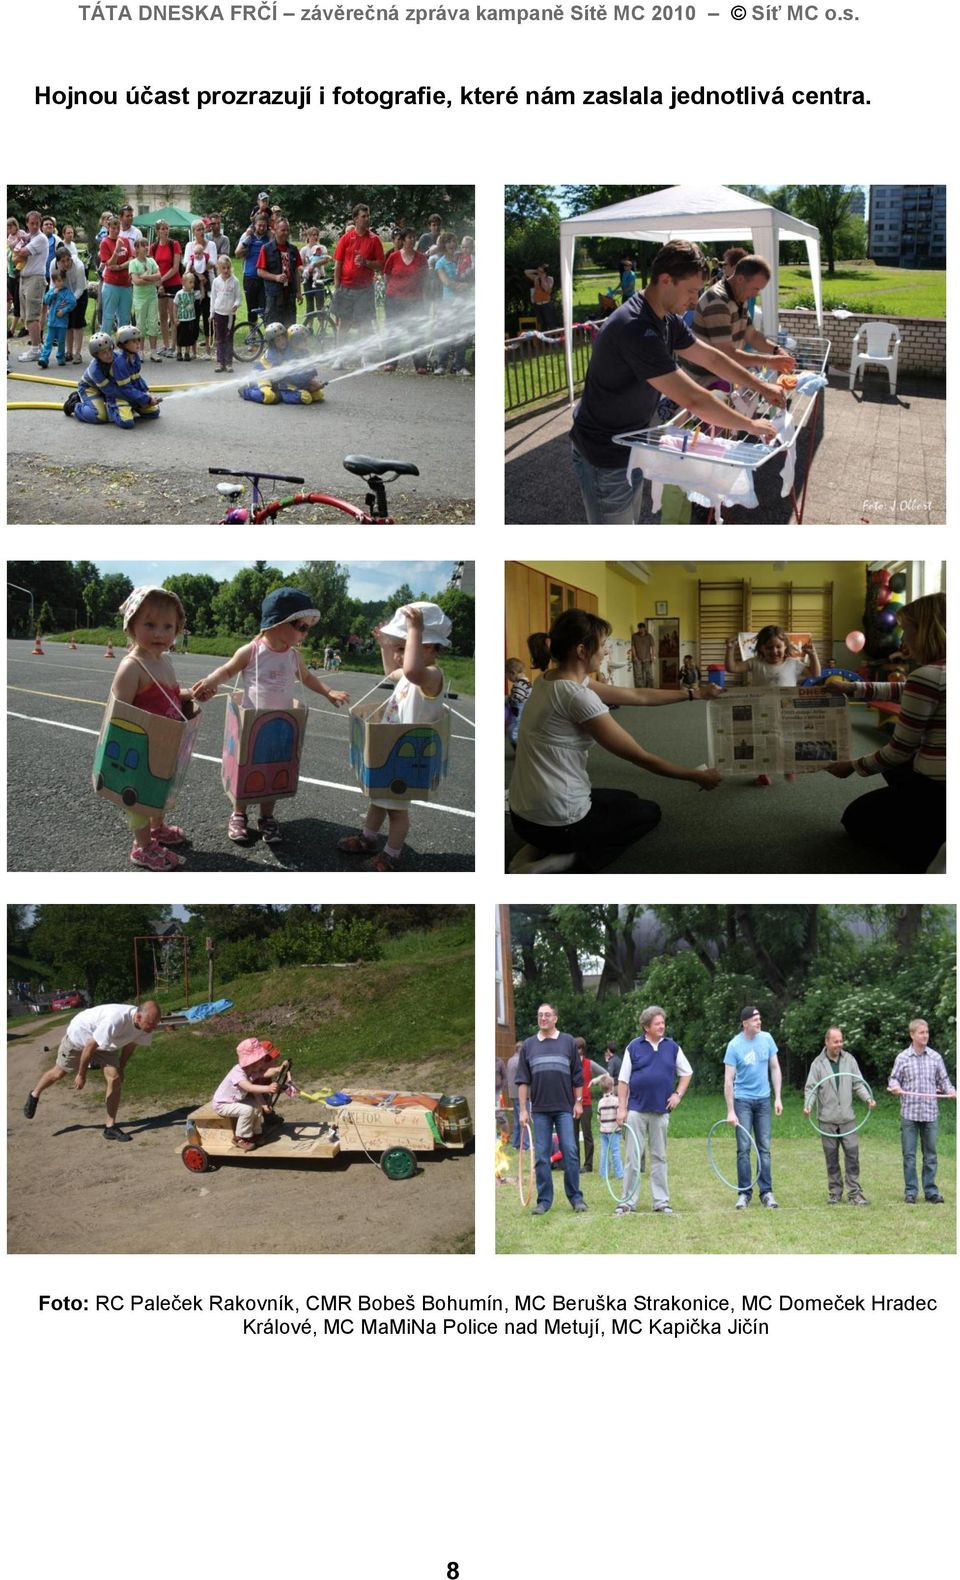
<point x="750" y="1065"/>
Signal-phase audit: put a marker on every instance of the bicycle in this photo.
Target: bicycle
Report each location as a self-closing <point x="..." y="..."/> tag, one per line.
<point x="247" y="340"/>
<point x="375" y="472"/>
<point x="321" y="323"/>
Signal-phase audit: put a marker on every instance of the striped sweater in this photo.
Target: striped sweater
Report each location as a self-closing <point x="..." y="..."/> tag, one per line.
<point x="920" y="735"/>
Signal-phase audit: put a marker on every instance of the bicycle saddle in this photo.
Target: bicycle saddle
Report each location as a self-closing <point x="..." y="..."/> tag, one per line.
<point x="367" y="465"/>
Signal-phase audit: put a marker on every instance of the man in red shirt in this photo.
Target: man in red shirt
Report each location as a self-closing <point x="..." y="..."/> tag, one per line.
<point x="356" y="262"/>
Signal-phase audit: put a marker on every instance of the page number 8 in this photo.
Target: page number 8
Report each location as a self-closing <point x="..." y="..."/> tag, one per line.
<point x="453" y="1572"/>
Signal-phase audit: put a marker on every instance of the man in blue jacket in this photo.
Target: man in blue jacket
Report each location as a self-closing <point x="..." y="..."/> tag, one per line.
<point x="654" y="1075"/>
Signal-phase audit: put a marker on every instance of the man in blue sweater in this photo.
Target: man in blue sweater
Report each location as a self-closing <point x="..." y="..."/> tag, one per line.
<point x="550" y="1080"/>
<point x="654" y="1075"/>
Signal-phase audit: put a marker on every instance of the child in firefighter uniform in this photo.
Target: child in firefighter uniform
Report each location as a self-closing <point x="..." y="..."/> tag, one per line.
<point x="296" y="387"/>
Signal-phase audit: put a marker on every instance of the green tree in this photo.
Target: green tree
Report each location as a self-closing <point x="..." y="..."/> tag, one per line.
<point x="196" y="592"/>
<point x="828" y="208"/>
<point x="79" y="206"/>
<point x="92" y="945"/>
<point x="526" y="205"/>
<point x="115" y="588"/>
<point x="461" y="607"/>
<point x="235" y="606"/>
<point x="327" y="582"/>
<point x="45" y="618"/>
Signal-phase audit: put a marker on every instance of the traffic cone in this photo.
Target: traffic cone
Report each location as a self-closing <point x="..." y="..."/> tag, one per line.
<point x="109" y="653"/>
<point x="73" y="645"/>
<point x="37" y="647"/>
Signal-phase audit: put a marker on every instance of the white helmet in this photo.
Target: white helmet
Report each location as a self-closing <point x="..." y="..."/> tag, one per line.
<point x="101" y="342"/>
<point x="127" y="333"/>
<point x="296" y="329"/>
<point x="274" y="331"/>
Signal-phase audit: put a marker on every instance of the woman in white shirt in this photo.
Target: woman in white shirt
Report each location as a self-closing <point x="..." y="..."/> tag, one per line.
<point x="200" y="257"/>
<point x="553" y="805"/>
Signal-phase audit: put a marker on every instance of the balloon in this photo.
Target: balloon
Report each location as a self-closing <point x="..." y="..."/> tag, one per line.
<point x="884" y="577"/>
<point x="883" y="596"/>
<point x="898" y="583"/>
<point x="887" y="619"/>
<point x="855" y="641"/>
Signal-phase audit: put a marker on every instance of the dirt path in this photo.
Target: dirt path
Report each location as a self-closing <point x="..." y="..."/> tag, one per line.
<point x="71" y="1191"/>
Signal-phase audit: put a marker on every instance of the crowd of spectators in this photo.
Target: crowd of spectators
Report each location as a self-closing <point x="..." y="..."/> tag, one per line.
<point x="390" y="293"/>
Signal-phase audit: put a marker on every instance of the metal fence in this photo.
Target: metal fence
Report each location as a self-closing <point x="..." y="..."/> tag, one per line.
<point x="535" y="367"/>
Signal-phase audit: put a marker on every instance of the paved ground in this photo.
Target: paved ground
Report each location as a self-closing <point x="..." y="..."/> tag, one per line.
<point x="71" y="1191"/>
<point x="64" y="471"/>
<point x="877" y="459"/>
<point x="55" y="706"/>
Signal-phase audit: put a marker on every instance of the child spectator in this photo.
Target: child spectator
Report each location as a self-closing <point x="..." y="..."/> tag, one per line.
<point x="152" y="619"/>
<point x="609" y="1130"/>
<point x="409" y="646"/>
<point x="241" y="1094"/>
<point x="689" y="673"/>
<point x="145" y="279"/>
<point x="188" y="328"/>
<point x="917" y="1076"/>
<point x="270" y="666"/>
<point x="224" y="304"/>
<point x="59" y="302"/>
<point x="520" y="689"/>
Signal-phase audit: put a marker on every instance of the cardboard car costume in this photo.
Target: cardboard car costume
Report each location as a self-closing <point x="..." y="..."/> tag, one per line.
<point x="141" y="758"/>
<point x="262" y="748"/>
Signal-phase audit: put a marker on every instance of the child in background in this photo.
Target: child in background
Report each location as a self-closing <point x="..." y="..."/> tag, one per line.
<point x="241" y="1093"/>
<point x="185" y="306"/>
<point x="152" y="619"/>
<point x="773" y="665"/>
<point x="609" y="1129"/>
<point x="409" y="645"/>
<point x="912" y="809"/>
<point x="145" y="279"/>
<point x="224" y="305"/>
<point x="520" y="689"/>
<point x="689" y="673"/>
<point x="270" y="665"/>
<point x="59" y="302"/>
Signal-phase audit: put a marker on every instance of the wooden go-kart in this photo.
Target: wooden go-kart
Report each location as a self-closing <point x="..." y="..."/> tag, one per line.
<point x="389" y="1127"/>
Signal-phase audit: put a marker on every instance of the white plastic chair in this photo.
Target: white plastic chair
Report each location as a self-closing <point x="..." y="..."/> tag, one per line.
<point x="883" y="349"/>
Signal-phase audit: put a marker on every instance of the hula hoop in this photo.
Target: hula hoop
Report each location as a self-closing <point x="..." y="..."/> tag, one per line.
<point x="730" y="1184"/>
<point x="526" y="1186"/>
<point x="617" y="1195"/>
<point x="838" y="1133"/>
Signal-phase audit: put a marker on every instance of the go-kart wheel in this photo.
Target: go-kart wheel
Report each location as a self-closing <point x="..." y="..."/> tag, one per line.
<point x="195" y="1159"/>
<point x="398" y="1163"/>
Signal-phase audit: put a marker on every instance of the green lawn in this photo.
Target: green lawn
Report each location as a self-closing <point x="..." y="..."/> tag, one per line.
<point x="705" y="1220"/>
<point x="906" y="293"/>
<point x="337" y="1023"/>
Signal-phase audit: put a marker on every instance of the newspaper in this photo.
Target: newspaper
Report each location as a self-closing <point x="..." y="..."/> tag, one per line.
<point x="777" y="729"/>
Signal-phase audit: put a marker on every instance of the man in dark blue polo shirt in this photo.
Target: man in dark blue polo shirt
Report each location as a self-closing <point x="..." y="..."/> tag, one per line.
<point x="632" y="365"/>
<point x="550" y="1079"/>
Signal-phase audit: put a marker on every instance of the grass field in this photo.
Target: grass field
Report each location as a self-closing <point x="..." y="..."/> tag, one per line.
<point x="459" y="671"/>
<point x="907" y="293"/>
<point x="705" y="1220"/>
<point x="337" y="1023"/>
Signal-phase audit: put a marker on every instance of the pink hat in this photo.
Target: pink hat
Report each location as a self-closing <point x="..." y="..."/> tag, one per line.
<point x="251" y="1050"/>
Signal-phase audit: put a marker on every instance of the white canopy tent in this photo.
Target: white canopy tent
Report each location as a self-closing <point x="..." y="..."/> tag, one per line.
<point x="692" y="214"/>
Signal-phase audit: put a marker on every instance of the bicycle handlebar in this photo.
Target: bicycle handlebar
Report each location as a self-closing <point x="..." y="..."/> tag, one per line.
<point x="272" y="477"/>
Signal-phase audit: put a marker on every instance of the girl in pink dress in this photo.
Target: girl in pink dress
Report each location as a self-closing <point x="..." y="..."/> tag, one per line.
<point x="152" y="619"/>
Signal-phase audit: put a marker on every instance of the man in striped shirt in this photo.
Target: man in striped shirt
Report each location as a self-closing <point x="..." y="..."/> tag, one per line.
<point x="918" y="1075"/>
<point x="722" y="322"/>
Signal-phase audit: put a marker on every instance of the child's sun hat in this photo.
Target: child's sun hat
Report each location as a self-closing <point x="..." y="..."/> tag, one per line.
<point x="436" y="625"/>
<point x="286" y="603"/>
<point x="139" y="596"/>
<point x="251" y="1050"/>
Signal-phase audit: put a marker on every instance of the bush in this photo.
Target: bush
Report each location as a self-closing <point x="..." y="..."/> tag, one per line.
<point x="537" y="242"/>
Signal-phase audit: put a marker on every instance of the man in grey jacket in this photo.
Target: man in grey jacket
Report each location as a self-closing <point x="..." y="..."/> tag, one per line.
<point x="841" y="1079"/>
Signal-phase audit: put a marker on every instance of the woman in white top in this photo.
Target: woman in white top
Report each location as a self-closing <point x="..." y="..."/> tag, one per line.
<point x="200" y="257"/>
<point x="553" y="805"/>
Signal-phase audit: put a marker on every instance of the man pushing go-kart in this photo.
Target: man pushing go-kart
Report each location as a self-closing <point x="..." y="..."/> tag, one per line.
<point x="104" y="1037"/>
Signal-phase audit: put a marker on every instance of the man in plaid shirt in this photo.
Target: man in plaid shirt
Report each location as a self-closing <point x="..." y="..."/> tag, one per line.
<point x="918" y="1074"/>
